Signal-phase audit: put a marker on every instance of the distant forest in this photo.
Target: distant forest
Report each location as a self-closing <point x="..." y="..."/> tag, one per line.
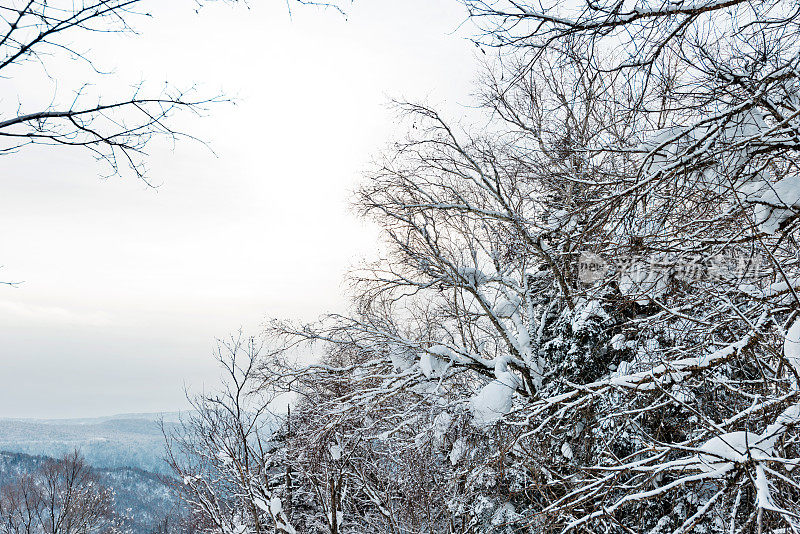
<point x="121" y="499"/>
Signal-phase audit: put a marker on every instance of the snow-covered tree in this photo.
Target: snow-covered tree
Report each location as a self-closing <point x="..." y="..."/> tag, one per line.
<point x="601" y="281"/>
<point x="63" y="496"/>
<point x="586" y="316"/>
<point x="222" y="454"/>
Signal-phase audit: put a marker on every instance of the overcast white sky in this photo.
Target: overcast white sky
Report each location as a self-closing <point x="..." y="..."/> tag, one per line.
<point x="126" y="287"/>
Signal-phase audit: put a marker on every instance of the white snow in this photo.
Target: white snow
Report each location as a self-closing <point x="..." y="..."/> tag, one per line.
<point x="504" y="516"/>
<point x="763" y="497"/>
<point x="441" y="424"/>
<point x="668" y="146"/>
<point x="566" y="451"/>
<point x="562" y="220"/>
<point x="781" y="289"/>
<point x="585" y="311"/>
<point x="642" y="281"/>
<point x="261" y="504"/>
<point x="473" y="276"/>
<point x="774" y="202"/>
<point x="733" y="447"/>
<point x="790" y="416"/>
<point x="432" y="365"/>
<point x="443" y="351"/>
<point x="736" y="447"/>
<point x="495" y="399"/>
<point x="336" y="452"/>
<point x="458" y="451"/>
<point x="224" y="457"/>
<point x="339" y="519"/>
<point x="617" y="342"/>
<point x="660" y="156"/>
<point x="681" y="393"/>
<point x="791" y="347"/>
<point x="401" y="357"/>
<point x="491" y="403"/>
<point x="748" y="124"/>
<point x="506" y="307"/>
<point x="275" y="506"/>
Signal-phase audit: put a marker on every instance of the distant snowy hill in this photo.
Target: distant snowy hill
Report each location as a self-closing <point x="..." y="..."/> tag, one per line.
<point x="125" y="440"/>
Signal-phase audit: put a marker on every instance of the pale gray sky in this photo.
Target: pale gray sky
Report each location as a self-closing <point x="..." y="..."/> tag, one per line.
<point x="125" y="286"/>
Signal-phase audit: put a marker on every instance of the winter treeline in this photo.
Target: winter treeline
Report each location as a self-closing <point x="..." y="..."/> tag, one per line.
<point x="66" y="495"/>
<point x="586" y="314"/>
<point x="60" y="497"/>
